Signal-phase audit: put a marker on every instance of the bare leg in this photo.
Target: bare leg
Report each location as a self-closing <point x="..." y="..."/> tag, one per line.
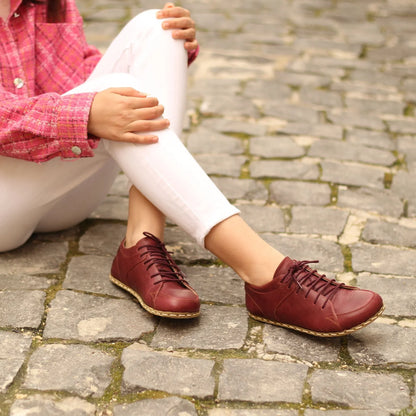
<point x="235" y="243"/>
<point x="143" y="216"/>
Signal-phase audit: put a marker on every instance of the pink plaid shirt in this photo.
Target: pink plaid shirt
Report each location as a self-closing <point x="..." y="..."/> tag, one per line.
<point x="40" y="61"/>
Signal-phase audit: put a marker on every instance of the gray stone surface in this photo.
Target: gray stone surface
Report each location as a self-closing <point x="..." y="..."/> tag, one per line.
<point x="13" y="350"/>
<point x="102" y="239"/>
<point x="284" y="169"/>
<point x="43" y="405"/>
<point x="21" y="308"/>
<point x="397" y="293"/>
<point x="275" y="146"/>
<point x="303" y="113"/>
<point x="251" y="412"/>
<point x="218" y="327"/>
<point x="181" y="375"/>
<point x="300" y="346"/>
<point x="381" y="232"/>
<point x="90" y="318"/>
<point x="327" y="252"/>
<point x="77" y="369"/>
<point x="33" y="258"/>
<point x="91" y="274"/>
<point x="378" y="259"/>
<point x="300" y="193"/>
<point x="172" y="406"/>
<point x="352" y="174"/>
<point x="216" y="284"/>
<point x="263" y="218"/>
<point x="373" y="345"/>
<point x="264" y="381"/>
<point x="346" y="388"/>
<point x="317" y="220"/>
<point x="382" y="202"/>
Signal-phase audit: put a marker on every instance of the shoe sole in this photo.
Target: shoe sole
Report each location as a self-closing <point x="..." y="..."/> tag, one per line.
<point x="164" y="314"/>
<point x="316" y="333"/>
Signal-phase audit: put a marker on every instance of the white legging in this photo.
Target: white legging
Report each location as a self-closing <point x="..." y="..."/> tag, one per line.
<point x="59" y="194"/>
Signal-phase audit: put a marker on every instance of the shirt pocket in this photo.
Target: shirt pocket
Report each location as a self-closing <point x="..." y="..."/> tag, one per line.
<point x="59" y="56"/>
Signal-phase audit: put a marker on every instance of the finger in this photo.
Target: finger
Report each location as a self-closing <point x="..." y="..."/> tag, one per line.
<point x="168" y="5"/>
<point x="173" y="12"/>
<point x="145" y="126"/>
<point x="127" y="91"/>
<point x="191" y="46"/>
<point x="186" y="34"/>
<point x="151" y="113"/>
<point x="142" y="102"/>
<point x="138" y="138"/>
<point x="178" y="23"/>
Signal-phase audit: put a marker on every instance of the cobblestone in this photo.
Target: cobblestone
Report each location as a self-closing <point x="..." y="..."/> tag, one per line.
<point x="303" y="113"/>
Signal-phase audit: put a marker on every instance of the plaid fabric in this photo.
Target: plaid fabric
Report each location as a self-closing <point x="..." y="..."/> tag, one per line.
<point x="38" y="62"/>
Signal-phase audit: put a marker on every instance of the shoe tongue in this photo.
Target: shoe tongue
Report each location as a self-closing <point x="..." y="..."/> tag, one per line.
<point x="283" y="267"/>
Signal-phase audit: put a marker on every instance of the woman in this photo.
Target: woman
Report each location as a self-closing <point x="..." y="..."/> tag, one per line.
<point x="60" y="100"/>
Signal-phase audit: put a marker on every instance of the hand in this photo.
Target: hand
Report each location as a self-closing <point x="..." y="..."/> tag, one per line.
<point x="119" y="113"/>
<point x="179" y="19"/>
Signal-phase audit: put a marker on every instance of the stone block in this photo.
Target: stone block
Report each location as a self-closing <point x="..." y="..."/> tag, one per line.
<point x="216" y="284"/>
<point x="346" y="412"/>
<point x="264" y="381"/>
<point x="217" y="328"/>
<point x="381" y="232"/>
<point x="91" y="318"/>
<point x="204" y="141"/>
<point x="324" y="131"/>
<point x="16" y="281"/>
<point x="166" y="372"/>
<point x="13" y="350"/>
<point x="378" y="259"/>
<point x="317" y="220"/>
<point x="280" y="146"/>
<point x="112" y="208"/>
<point x="353" y="174"/>
<point x="397" y="293"/>
<point x="34" y="258"/>
<point x="360" y="390"/>
<point x="172" y="406"/>
<point x="370" y="138"/>
<point x="247" y="189"/>
<point x="300" y="193"/>
<point x="290" y="112"/>
<point x="263" y="218"/>
<point x="102" y="239"/>
<point x="47" y="405"/>
<point x="300" y="346"/>
<point x="234" y="126"/>
<point x="228" y="106"/>
<point x="284" y="169"/>
<point x="91" y="274"/>
<point x="21" y="308"/>
<point x="77" y="369"/>
<point x="374" y="345"/>
<point x="327" y="252"/>
<point x="251" y="412"/>
<point x="341" y="150"/>
<point x="382" y="201"/>
<point x="221" y="164"/>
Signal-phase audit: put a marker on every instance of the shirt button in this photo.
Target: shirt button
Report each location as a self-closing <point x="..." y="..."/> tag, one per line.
<point x="76" y="150"/>
<point x="16" y="14"/>
<point x="18" y="82"/>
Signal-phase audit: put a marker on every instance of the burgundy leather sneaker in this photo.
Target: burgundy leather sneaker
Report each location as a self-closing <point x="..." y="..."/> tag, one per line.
<point x="149" y="273"/>
<point x="302" y="299"/>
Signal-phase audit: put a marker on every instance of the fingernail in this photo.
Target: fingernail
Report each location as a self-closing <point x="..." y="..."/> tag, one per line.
<point x="159" y="14"/>
<point x="165" y="25"/>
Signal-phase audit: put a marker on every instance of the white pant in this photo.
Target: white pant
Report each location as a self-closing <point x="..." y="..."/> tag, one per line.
<point x="59" y="194"/>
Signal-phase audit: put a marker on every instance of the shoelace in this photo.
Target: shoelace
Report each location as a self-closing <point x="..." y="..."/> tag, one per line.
<point x="161" y="258"/>
<point x="310" y="279"/>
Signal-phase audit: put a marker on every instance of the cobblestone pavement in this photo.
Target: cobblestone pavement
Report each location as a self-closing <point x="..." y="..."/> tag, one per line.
<point x="305" y="106"/>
